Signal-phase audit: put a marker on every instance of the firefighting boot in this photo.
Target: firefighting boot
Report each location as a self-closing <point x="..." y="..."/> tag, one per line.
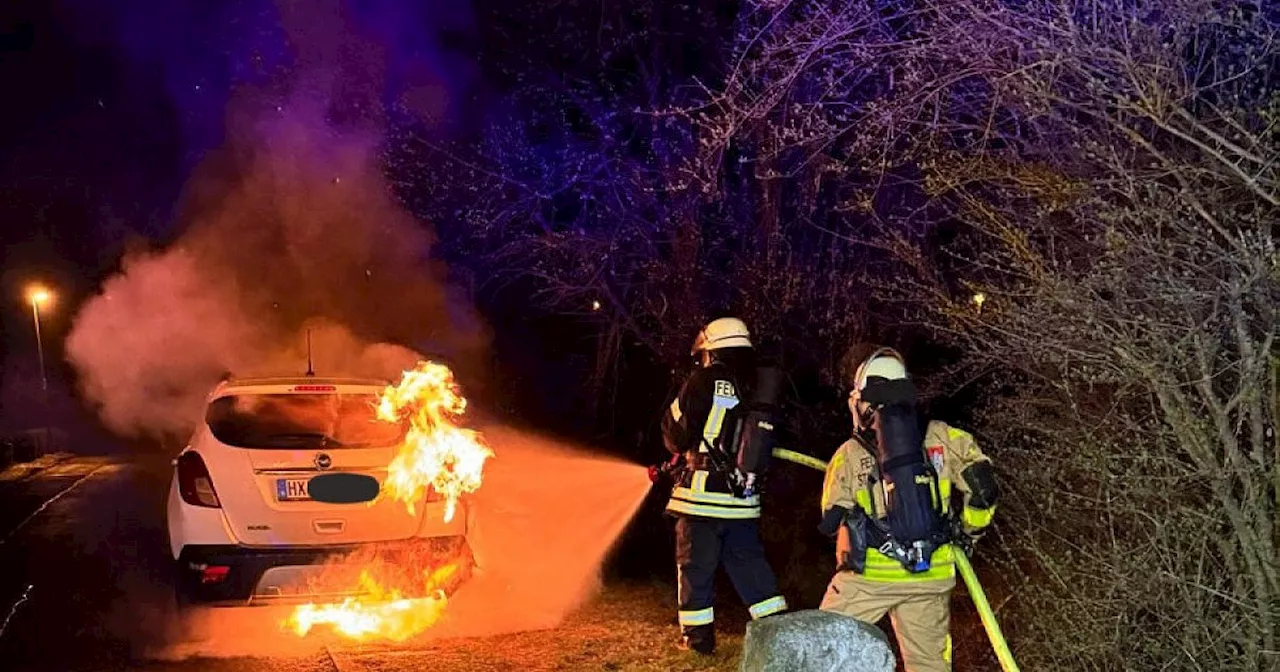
<point x="699" y="639"/>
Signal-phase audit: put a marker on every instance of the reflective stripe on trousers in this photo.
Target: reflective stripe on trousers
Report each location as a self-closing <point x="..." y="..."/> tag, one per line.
<point x="701" y="546"/>
<point x="768" y="607"/>
<point x="699" y="617"/>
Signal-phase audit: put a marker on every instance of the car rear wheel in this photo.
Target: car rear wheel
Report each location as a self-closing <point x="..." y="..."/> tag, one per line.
<point x="181" y="599"/>
<point x="183" y="602"/>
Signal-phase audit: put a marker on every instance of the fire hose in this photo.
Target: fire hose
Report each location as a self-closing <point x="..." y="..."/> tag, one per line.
<point x="976" y="592"/>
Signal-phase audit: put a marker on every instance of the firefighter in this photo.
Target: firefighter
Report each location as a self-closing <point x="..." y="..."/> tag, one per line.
<point x="714" y="525"/>
<point x="876" y="572"/>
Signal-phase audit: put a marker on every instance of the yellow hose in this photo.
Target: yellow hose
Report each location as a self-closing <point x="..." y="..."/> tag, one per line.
<point x="800" y="458"/>
<point x="976" y="592"/>
<point x="988" y="616"/>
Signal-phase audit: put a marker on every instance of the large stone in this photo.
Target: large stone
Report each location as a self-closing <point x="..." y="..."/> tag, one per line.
<point x="815" y="641"/>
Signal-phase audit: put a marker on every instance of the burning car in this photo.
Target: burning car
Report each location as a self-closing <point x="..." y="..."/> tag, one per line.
<point x="310" y="489"/>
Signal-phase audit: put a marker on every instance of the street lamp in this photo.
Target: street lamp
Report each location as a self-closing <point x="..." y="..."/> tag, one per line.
<point x="38" y="295"/>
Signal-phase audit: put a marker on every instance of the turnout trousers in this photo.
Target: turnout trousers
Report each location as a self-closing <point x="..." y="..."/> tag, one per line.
<point x="701" y="545"/>
<point x="920" y="611"/>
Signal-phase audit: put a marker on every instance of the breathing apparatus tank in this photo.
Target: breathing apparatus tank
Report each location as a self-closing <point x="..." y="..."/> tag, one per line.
<point x="753" y="433"/>
<point x="913" y="523"/>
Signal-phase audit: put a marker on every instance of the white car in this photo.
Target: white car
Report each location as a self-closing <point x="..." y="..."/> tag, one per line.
<point x="244" y="528"/>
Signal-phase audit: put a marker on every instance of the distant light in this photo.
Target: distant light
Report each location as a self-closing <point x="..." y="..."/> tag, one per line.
<point x="38" y="295"/>
<point x="979" y="299"/>
<point x="595" y="305"/>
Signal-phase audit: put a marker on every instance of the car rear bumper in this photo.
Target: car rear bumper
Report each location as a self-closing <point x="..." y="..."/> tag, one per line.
<point x="249" y="569"/>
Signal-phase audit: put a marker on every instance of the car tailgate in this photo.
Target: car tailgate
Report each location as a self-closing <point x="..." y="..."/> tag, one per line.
<point x="273" y="508"/>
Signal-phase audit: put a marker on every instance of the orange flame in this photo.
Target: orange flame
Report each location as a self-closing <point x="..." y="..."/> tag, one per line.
<point x="379" y="613"/>
<point x="436" y="453"/>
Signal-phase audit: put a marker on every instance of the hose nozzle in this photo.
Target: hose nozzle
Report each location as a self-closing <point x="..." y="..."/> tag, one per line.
<point x="663" y="470"/>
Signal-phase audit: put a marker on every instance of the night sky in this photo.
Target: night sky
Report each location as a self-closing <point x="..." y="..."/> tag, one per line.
<point x="126" y="121"/>
<point x="110" y="106"/>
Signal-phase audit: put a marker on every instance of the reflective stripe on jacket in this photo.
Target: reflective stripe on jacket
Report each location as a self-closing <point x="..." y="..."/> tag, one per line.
<point x="695" y="499"/>
<point x="704" y="401"/>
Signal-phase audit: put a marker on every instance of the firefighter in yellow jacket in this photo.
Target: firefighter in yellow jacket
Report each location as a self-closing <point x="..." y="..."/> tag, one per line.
<point x="888" y="499"/>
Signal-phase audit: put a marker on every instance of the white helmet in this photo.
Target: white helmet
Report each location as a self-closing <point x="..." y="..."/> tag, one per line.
<point x="883" y="363"/>
<point x="726" y="332"/>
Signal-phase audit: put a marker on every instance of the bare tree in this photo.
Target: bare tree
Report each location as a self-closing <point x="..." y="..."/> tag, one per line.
<point x="1083" y="195"/>
<point x="586" y="189"/>
<point x="1080" y="195"/>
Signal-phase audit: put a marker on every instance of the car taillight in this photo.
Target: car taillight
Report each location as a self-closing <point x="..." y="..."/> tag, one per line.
<point x="214" y="574"/>
<point x="194" y="484"/>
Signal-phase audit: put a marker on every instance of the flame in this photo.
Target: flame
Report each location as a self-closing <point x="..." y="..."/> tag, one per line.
<point x="378" y="613"/>
<point x="437" y="453"/>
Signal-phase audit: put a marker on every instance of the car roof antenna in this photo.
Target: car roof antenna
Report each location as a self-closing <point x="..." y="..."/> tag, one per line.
<point x="310" y="370"/>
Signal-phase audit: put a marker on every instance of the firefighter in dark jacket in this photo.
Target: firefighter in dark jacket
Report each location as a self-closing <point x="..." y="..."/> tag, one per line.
<point x="712" y="524"/>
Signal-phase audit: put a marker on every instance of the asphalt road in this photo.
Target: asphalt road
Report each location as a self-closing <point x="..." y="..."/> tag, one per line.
<point x="85" y="581"/>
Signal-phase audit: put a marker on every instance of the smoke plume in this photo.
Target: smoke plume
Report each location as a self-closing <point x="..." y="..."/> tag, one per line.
<point x="290" y="227"/>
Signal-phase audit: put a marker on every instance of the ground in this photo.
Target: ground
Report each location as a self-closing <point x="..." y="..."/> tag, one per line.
<point x="85" y="585"/>
<point x="629" y="627"/>
<point x="82" y="539"/>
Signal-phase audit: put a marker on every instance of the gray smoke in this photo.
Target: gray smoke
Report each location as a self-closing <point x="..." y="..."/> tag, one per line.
<point x="291" y="227"/>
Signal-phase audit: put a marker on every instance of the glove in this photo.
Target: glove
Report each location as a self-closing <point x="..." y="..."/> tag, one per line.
<point x="849" y="527"/>
<point x="964" y="537"/>
<point x="832" y="519"/>
<point x="851" y="544"/>
<point x="664" y="469"/>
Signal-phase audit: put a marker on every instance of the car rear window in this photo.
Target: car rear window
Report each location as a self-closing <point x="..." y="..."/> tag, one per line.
<point x="301" y="421"/>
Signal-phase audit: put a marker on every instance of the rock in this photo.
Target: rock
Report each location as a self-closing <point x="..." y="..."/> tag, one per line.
<point x="815" y="641"/>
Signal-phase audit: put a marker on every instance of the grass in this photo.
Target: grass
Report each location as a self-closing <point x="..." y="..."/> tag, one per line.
<point x="630" y="627"/>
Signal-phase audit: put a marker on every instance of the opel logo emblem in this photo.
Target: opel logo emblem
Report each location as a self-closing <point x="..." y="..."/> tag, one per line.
<point x="323" y="461"/>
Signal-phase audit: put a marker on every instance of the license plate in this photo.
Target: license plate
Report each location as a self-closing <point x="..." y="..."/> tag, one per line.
<point x="292" y="489"/>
